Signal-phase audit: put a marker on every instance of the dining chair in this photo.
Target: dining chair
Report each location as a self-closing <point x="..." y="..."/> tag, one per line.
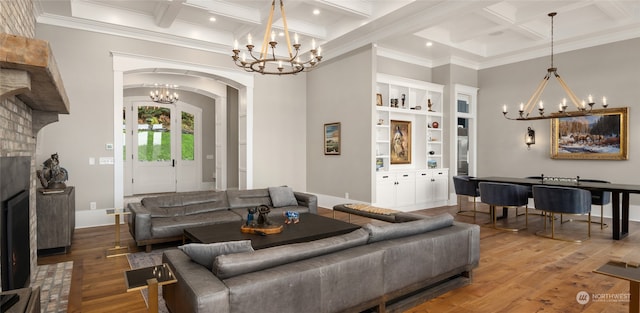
<point x="507" y="196"/>
<point x="600" y="198"/>
<point x="562" y="200"/>
<point x="465" y="186"/>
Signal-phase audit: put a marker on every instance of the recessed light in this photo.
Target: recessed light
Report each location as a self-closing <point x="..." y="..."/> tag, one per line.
<point x="316" y="12"/>
<point x="212" y="19"/>
<point x="429" y="43"/>
<point x="281" y="34"/>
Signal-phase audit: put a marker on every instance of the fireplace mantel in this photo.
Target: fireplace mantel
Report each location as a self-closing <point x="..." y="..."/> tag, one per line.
<point x="29" y="72"/>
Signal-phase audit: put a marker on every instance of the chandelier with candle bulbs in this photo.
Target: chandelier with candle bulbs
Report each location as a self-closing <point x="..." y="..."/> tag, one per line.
<point x="164" y="94"/>
<point x="267" y="62"/>
<point x="583" y="107"/>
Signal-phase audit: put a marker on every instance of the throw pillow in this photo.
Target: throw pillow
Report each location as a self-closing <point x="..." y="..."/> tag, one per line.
<point x="204" y="254"/>
<point x="282" y="196"/>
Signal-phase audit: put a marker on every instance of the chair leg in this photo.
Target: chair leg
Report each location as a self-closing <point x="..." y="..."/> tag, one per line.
<point x="589" y="225"/>
<point x="553" y="233"/>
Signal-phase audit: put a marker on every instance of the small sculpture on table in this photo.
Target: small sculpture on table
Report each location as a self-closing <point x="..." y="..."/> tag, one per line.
<point x="291" y="217"/>
<point x="263" y="226"/>
<point x="52" y="175"/>
<point x="263" y="215"/>
<point x="250" y="220"/>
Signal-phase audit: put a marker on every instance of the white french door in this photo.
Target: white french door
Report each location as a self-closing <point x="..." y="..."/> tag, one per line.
<point x="165" y="154"/>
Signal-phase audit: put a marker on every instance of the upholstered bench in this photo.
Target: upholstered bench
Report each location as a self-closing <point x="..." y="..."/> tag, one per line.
<point x="387" y="215"/>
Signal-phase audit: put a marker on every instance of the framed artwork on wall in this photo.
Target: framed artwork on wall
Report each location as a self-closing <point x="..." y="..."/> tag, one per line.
<point x="400" y="142"/>
<point x="603" y="135"/>
<point x="332" y="139"/>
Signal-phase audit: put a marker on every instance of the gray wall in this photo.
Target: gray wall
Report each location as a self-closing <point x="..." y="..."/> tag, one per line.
<point x="280" y="133"/>
<point x="403" y="69"/>
<point x="342" y="91"/>
<point x="610" y="70"/>
<point x="449" y="75"/>
<point x="85" y="64"/>
<point x="232" y="138"/>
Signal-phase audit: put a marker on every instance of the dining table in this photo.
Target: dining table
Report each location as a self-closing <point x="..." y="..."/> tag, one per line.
<point x="619" y="195"/>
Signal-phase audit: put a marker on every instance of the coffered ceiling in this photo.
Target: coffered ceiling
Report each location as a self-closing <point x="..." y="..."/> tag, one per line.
<point x="478" y="34"/>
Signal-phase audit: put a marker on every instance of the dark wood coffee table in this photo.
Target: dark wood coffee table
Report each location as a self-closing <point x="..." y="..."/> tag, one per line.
<point x="311" y="227"/>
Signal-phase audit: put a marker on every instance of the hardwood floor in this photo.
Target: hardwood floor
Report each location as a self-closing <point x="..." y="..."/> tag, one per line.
<point x="518" y="272"/>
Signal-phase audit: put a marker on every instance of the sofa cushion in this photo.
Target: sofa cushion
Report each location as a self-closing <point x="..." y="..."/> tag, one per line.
<point x="397" y="230"/>
<point x="230" y="265"/>
<point x="204" y="254"/>
<point x="200" y="202"/>
<point x="162" y="201"/>
<point x="166" y="212"/>
<point x="248" y="198"/>
<point x="282" y="196"/>
<point x="164" y="227"/>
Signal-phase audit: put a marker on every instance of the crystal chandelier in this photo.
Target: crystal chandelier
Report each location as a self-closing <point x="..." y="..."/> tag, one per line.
<point x="268" y="62"/>
<point x="583" y="107"/>
<point x="164" y="94"/>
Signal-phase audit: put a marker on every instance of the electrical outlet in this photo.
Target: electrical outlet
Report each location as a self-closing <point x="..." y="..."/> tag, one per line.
<point x="346" y="195"/>
<point x="92" y="205"/>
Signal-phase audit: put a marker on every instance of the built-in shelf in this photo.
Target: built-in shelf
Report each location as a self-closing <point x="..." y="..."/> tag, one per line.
<point x="422" y="182"/>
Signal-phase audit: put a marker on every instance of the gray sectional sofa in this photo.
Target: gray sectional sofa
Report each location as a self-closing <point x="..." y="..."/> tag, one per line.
<point x="379" y="267"/>
<point x="160" y="219"/>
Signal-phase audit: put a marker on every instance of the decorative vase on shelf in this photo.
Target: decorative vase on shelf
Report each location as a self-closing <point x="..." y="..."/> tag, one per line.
<point x="429" y="105"/>
<point x="435" y="124"/>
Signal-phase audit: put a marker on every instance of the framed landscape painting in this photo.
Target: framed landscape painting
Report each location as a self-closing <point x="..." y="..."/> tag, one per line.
<point x="603" y="135"/>
<point x="332" y="138"/>
<point x="400" y="142"/>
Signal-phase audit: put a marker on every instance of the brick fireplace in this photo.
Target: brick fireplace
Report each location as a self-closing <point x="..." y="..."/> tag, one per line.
<point x="31" y="96"/>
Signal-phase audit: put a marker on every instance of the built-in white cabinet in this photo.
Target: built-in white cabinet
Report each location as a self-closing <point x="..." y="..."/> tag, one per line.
<point x="408" y="134"/>
<point x="396" y="189"/>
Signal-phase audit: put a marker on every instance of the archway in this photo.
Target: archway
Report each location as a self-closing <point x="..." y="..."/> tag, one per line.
<point x="135" y="65"/>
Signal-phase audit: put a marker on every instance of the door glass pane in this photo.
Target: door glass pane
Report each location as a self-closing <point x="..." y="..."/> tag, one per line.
<point x="463" y="104"/>
<point x="154" y="135"/>
<point x="124" y="135"/>
<point x="187" y="136"/>
<point x="463" y="146"/>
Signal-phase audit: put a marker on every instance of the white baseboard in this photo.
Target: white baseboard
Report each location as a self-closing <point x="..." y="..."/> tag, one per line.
<point x="93" y="218"/>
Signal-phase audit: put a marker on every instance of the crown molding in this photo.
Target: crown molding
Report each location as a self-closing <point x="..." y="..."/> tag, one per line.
<point x="122" y="31"/>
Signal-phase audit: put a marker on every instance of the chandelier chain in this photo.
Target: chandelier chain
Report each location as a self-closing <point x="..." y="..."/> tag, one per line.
<point x="583" y="107"/>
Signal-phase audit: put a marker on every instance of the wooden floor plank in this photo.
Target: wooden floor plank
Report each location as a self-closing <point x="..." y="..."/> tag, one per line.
<point x="518" y="272"/>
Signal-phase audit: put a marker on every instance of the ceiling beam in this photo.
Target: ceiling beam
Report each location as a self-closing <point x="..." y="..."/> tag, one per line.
<point x="357" y="8"/>
<point x="166" y="12"/>
<point x="227" y="9"/>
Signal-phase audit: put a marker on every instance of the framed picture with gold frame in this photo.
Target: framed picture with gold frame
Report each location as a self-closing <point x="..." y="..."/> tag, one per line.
<point x="332" y="138"/>
<point x="603" y="135"/>
<point x="400" y="146"/>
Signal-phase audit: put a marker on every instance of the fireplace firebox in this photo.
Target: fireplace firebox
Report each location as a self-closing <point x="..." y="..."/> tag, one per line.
<point x="15" y="247"/>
